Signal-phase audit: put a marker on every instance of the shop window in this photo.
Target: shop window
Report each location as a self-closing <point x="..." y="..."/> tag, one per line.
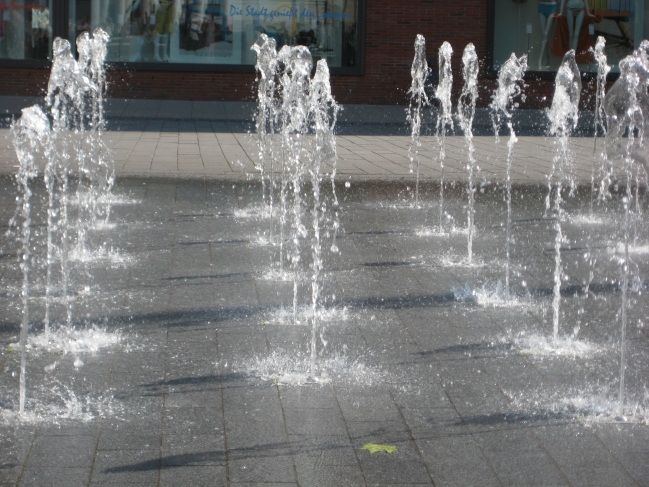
<point x="547" y="29"/>
<point x="25" y="29"/>
<point x="219" y="31"/>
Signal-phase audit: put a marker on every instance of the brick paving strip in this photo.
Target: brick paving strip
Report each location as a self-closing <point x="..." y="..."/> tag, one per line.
<point x="216" y="155"/>
<point x="211" y="140"/>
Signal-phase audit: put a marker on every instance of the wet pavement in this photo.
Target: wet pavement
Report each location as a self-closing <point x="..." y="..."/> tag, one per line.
<point x="201" y="379"/>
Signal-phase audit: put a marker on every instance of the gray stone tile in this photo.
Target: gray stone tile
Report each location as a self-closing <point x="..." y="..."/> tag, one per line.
<point x="315" y="474"/>
<point x="455" y="460"/>
<point x="306" y="421"/>
<point x="118" y="440"/>
<point x="9" y="473"/>
<point x="212" y="476"/>
<point x="190" y="450"/>
<point x="128" y="466"/>
<point x="192" y="421"/>
<point x="263" y="484"/>
<point x="54" y="451"/>
<point x="598" y="476"/>
<point x="525" y="468"/>
<point x="262" y="466"/>
<point x="53" y="476"/>
<point x="381" y="468"/>
<point x="636" y="465"/>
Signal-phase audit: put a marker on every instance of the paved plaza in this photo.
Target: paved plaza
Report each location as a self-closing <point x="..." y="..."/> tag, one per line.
<point x="201" y="372"/>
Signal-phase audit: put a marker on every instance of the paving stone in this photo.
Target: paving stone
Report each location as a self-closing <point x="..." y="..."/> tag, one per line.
<point x="54" y="451"/>
<point x="304" y="421"/>
<point x="314" y="474"/>
<point x="118" y="440"/>
<point x="262" y="465"/>
<point x="212" y="476"/>
<point x="594" y="476"/>
<point x="525" y="468"/>
<point x="53" y="476"/>
<point x="263" y="484"/>
<point x="127" y="466"/>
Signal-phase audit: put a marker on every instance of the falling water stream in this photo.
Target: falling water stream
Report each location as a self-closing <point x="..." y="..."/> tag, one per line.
<point x="295" y="84"/>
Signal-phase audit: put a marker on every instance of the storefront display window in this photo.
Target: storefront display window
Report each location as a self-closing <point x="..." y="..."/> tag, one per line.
<point x="219" y="31"/>
<point x="547" y="29"/>
<point x="25" y="29"/>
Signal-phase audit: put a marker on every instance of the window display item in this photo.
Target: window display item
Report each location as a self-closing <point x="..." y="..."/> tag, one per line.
<point x="558" y="26"/>
<point x="563" y="38"/>
<point x="25" y="29"/>
<point x="575" y="12"/>
<point x="547" y="11"/>
<point x="189" y="32"/>
<point x="161" y="32"/>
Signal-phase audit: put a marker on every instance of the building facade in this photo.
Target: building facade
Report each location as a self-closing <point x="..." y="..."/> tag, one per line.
<point x="200" y="49"/>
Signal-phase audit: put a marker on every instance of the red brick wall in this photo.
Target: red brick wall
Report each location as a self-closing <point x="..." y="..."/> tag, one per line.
<point x="163" y="85"/>
<point x="391" y="28"/>
<point x="390" y="35"/>
<point x="23" y="81"/>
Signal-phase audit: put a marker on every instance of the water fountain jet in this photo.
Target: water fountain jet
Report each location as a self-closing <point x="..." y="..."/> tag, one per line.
<point x="445" y="116"/>
<point x="267" y="65"/>
<point x="503" y="101"/>
<point x="75" y="101"/>
<point x="324" y="110"/>
<point x="600" y="116"/>
<point x="466" y="113"/>
<point x="418" y="100"/>
<point x="30" y="134"/>
<point x="307" y="114"/>
<point x="626" y="104"/>
<point x="563" y="116"/>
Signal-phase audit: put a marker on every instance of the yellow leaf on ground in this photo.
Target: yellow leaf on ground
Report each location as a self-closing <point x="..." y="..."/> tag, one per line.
<point x="374" y="447"/>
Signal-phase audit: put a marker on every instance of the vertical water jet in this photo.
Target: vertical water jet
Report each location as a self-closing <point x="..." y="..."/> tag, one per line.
<point x="466" y="113"/>
<point x="296" y="85"/>
<point x="30" y="135"/>
<point x="600" y="117"/>
<point x="563" y="116"/>
<point x="445" y="117"/>
<point x="266" y="66"/>
<point x="75" y="103"/>
<point x="418" y="100"/>
<point x="510" y="78"/>
<point x="625" y="105"/>
<point x="599" y="125"/>
<point x="323" y="112"/>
